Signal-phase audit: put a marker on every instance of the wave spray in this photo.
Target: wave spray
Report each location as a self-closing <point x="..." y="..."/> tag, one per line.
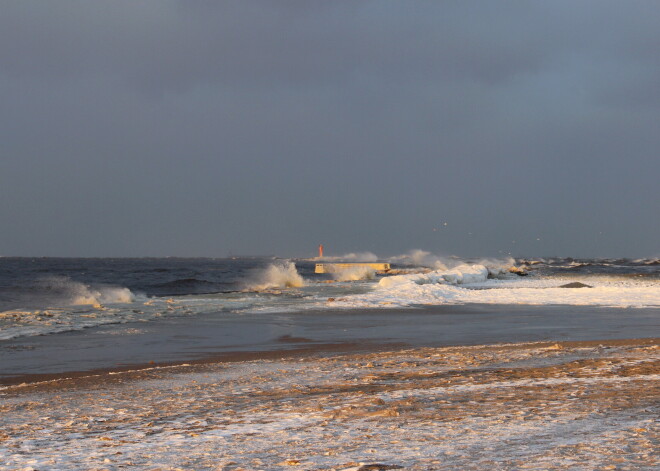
<point x="277" y="276"/>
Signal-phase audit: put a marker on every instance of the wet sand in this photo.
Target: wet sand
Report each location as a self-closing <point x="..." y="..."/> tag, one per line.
<point x="85" y="377"/>
<point x="541" y="405"/>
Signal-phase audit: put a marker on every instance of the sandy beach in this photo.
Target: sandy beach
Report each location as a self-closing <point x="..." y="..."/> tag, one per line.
<point x="538" y="405"/>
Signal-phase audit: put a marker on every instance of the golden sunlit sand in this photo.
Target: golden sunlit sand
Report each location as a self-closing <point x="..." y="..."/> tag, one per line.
<point x="585" y="405"/>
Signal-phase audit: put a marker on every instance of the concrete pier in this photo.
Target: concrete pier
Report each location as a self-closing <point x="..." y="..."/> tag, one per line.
<point x="337" y="267"/>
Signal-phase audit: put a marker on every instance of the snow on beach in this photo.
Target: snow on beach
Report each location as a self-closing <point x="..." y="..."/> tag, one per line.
<point x="525" y="406"/>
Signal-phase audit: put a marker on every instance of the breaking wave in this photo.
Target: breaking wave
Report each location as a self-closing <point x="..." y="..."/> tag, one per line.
<point x="422" y="258"/>
<point x="499" y="283"/>
<point x="354" y="274"/>
<point x="104" y="295"/>
<point x="64" y="291"/>
<point x="499" y="267"/>
<point x="459" y="275"/>
<point x="276" y="275"/>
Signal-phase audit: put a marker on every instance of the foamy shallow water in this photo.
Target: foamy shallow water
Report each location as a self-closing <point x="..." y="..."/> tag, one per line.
<point x="432" y="289"/>
<point x="604" y="292"/>
<point x="64" y="304"/>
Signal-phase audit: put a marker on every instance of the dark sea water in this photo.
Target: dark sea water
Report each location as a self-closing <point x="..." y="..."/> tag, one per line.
<point x="62" y="314"/>
<point x="42" y="282"/>
<point x="47" y="282"/>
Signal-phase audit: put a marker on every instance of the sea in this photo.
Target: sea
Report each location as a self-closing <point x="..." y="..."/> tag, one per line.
<point x="57" y="314"/>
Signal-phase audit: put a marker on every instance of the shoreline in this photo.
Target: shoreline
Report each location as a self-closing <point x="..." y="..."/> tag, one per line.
<point x="173" y="341"/>
<point x="142" y="371"/>
<point x="139" y="369"/>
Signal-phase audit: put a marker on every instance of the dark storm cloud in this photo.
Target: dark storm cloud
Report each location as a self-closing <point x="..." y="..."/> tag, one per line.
<point x="198" y="128"/>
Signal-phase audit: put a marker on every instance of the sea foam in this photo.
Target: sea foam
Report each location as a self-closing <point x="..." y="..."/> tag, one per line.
<point x="275" y="276"/>
<point x="476" y="283"/>
<point x="103" y="295"/>
<point x="355" y="273"/>
<point x="63" y="291"/>
<point x="455" y="276"/>
<point x="421" y="258"/>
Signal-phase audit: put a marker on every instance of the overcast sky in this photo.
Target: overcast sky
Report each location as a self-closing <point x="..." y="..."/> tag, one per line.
<point x="209" y="128"/>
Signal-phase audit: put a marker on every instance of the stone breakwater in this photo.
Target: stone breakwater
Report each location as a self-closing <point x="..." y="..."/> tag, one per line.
<point x="582" y="405"/>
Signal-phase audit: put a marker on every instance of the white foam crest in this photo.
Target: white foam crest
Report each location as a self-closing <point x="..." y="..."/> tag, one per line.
<point x="63" y="291"/>
<point x="354" y="274"/>
<point x="422" y="258"/>
<point x="474" y="284"/>
<point x="498" y="267"/>
<point x="27" y="323"/>
<point x="276" y="275"/>
<point x="648" y="261"/>
<point x="102" y="295"/>
<point x="461" y="274"/>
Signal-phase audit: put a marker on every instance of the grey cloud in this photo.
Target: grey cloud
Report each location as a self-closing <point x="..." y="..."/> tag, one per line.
<point x="257" y="42"/>
<point x="196" y="128"/>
